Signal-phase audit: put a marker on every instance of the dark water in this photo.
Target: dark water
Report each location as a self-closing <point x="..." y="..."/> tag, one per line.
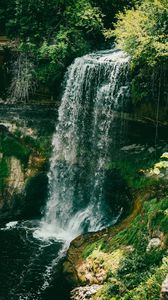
<point x="29" y="268"/>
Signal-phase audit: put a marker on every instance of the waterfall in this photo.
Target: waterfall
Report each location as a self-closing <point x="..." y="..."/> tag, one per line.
<point x="96" y="86"/>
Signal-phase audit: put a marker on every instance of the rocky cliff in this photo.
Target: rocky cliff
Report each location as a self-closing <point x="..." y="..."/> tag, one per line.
<point x="24" y="153"/>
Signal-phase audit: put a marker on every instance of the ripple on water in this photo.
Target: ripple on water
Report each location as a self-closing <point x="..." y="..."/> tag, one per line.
<point x="30" y="268"/>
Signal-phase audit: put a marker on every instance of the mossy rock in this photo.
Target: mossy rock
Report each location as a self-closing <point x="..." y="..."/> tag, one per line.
<point x="116" y="193"/>
<point x="4" y="173"/>
<point x="12" y="147"/>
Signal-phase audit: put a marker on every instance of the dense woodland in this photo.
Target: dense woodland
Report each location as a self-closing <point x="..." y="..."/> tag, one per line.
<point x="52" y="33"/>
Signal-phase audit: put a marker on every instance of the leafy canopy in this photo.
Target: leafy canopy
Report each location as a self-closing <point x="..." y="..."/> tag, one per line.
<point x="143" y="31"/>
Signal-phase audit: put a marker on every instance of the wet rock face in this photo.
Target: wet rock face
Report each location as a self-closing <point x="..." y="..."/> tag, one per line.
<point x="22" y="196"/>
<point x="16" y="176"/>
<point x="13" y="184"/>
<point x="116" y="193"/>
<point x="23" y="168"/>
<point x="36" y="191"/>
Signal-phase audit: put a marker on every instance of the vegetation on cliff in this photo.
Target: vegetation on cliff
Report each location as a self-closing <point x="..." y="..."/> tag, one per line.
<point x="143" y="266"/>
<point x="143" y="33"/>
<point x="23" y="167"/>
<point x="128" y="261"/>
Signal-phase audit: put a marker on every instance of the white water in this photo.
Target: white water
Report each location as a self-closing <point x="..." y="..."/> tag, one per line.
<point x="96" y="85"/>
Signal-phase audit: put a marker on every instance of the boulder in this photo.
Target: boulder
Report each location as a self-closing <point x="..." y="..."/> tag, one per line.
<point x="86" y="292"/>
<point x="153" y="243"/>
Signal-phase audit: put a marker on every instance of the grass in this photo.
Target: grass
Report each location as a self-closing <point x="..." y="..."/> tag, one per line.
<point x="141" y="271"/>
<point x="138" y="231"/>
<point x="99" y="245"/>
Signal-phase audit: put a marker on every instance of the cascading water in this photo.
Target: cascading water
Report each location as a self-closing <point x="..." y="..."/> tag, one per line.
<point x="96" y="86"/>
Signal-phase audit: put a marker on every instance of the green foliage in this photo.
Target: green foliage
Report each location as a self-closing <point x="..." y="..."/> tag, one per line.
<point x="11" y="147"/>
<point x="4" y="172"/>
<point x="159" y="220"/>
<point x="41" y="144"/>
<point x="32" y="19"/>
<point x="141" y="271"/>
<point x="99" y="245"/>
<point x="130" y="171"/>
<point x="137" y="266"/>
<point x="111" y="7"/>
<point x="67" y="44"/>
<point x="112" y="290"/>
<point x="81" y="21"/>
<point x="151" y="288"/>
<point x="83" y="15"/>
<point x="54" y="32"/>
<point x="143" y="33"/>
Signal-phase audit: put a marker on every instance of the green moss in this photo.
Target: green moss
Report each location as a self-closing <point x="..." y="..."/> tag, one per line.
<point x="160" y="221"/>
<point x="130" y="170"/>
<point x="111" y="291"/>
<point x="40" y="144"/>
<point x="147" y="290"/>
<point x="99" y="245"/>
<point x="4" y="172"/>
<point x="138" y="232"/>
<point x="136" y="235"/>
<point x="35" y="194"/>
<point x="138" y="266"/>
<point x="12" y="147"/>
<point x="164" y="204"/>
<point x="151" y="288"/>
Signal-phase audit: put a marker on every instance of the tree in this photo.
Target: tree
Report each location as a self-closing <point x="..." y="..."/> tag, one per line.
<point x="143" y="31"/>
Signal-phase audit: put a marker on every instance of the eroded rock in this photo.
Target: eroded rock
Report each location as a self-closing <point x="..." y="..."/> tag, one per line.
<point x="153" y="243"/>
<point x="16" y="176"/>
<point x="86" y="292"/>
